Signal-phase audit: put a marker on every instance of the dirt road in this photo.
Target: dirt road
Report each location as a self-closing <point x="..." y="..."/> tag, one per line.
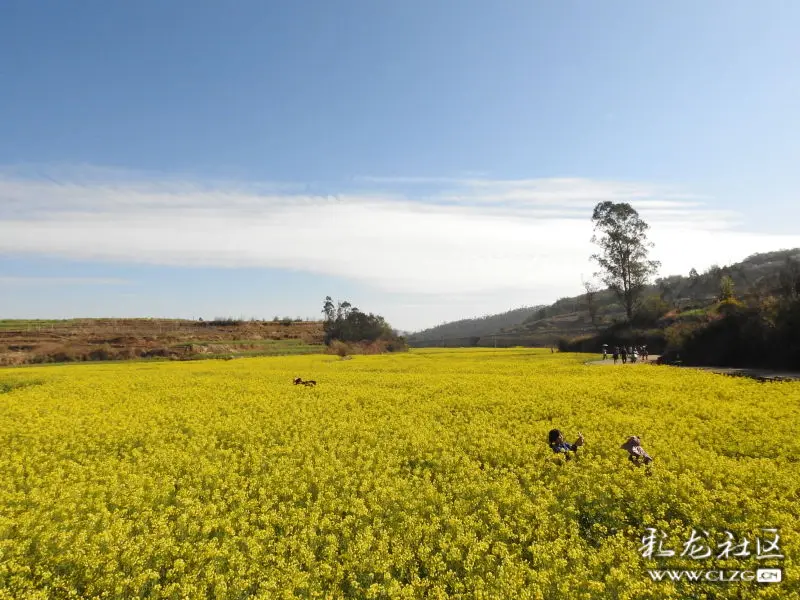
<point x="754" y="373"/>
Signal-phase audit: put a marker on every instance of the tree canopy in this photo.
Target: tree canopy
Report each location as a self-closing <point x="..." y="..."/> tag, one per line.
<point x="621" y="235"/>
<point x="346" y="323"/>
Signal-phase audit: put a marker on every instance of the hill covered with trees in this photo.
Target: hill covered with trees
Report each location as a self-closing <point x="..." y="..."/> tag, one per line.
<point x="468" y="332"/>
<point x="577" y="322"/>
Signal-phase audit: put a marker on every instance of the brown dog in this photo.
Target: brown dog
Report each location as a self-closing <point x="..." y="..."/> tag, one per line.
<point x="309" y="383"/>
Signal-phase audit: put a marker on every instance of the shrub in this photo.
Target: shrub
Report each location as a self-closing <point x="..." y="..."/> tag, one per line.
<point x="339" y="348"/>
<point x="676" y="335"/>
<point x="396" y="345"/>
<point x="127" y="354"/>
<point x="694" y="315"/>
<point x="726" y="288"/>
<point x="103" y="353"/>
<point x="156" y="352"/>
<point x="742" y="337"/>
<point x="225" y="322"/>
<point x="582" y="343"/>
<point x="729" y="307"/>
<point x="620" y="335"/>
<point x="59" y="357"/>
<point x="650" y="311"/>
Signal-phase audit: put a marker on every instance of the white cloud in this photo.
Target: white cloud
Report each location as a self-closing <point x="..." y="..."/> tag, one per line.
<point x="517" y="238"/>
<point x="13" y="281"/>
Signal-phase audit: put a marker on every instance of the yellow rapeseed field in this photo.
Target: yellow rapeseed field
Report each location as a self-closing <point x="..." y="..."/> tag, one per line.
<point x="418" y="475"/>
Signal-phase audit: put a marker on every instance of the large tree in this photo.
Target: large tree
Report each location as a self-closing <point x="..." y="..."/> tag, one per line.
<point x="622" y="236"/>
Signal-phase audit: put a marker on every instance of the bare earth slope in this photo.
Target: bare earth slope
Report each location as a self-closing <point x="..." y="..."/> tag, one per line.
<point x="26" y="342"/>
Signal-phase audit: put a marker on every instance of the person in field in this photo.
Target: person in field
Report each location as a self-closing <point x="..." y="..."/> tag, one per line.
<point x="558" y="444"/>
<point x="605" y="351"/>
<point x="636" y="454"/>
<point x="615" y="355"/>
<point x="624" y="355"/>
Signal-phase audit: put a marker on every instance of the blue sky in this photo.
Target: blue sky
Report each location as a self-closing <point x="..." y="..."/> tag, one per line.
<point x="426" y="160"/>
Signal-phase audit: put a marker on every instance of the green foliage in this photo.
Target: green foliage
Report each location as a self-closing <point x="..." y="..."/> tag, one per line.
<point x="590" y="303"/>
<point x="746" y="336"/>
<point x="730" y="306"/>
<point x="348" y="324"/>
<point x="622" y="237"/>
<point x="581" y="343"/>
<point x="649" y="311"/>
<point x="726" y="288"/>
<point x="9" y="384"/>
<point x="676" y="334"/>
<point x="695" y="314"/>
<point x="756" y="279"/>
<point x="396" y="344"/>
<point x="616" y="335"/>
<point x="787" y="329"/>
<point x="224" y="322"/>
<point x="668" y="288"/>
<point x="789" y="279"/>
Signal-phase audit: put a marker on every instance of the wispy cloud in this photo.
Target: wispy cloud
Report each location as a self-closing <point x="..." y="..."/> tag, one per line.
<point x="463" y="236"/>
<point x="13" y="281"/>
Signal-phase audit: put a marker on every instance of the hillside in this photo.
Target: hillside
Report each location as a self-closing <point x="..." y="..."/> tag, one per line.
<point x="569" y="317"/>
<point x="26" y="342"/>
<point x="465" y="331"/>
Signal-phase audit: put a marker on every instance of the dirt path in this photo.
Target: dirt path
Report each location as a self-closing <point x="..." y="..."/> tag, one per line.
<point x="759" y="374"/>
